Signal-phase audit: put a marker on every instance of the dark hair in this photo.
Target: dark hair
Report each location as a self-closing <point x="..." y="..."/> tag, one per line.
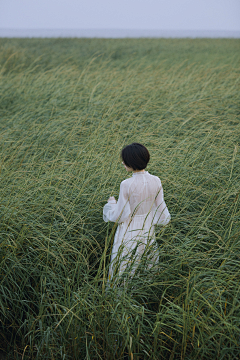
<point x="135" y="156"/>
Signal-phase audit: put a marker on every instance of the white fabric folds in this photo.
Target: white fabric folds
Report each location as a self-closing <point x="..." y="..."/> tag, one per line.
<point x="140" y="207"/>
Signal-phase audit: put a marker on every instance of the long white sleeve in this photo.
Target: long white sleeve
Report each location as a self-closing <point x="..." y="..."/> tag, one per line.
<point x="161" y="213"/>
<point x="118" y="211"/>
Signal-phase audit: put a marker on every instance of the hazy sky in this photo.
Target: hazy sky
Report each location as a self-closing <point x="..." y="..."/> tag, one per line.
<point x="121" y="14"/>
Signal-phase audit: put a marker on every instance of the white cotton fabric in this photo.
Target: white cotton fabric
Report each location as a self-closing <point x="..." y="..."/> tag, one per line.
<point x="139" y="208"/>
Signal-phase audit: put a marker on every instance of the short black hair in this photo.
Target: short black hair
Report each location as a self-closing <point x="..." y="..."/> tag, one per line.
<point x="135" y="156"/>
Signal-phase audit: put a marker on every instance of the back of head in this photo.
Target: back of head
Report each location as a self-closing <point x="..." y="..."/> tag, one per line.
<point x="135" y="156"/>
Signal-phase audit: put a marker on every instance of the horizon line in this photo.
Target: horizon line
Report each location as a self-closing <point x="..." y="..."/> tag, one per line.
<point x="118" y="33"/>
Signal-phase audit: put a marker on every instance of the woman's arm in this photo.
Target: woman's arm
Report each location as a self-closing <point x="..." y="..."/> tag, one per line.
<point x="161" y="214"/>
<point x="118" y="211"/>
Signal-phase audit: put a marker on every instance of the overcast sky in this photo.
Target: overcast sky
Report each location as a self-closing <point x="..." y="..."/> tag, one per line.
<point x="121" y="14"/>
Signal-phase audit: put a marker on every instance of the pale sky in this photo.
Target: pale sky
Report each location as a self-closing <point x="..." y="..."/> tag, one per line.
<point x="121" y="14"/>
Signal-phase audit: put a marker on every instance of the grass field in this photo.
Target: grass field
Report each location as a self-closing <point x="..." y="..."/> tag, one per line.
<point x="67" y="107"/>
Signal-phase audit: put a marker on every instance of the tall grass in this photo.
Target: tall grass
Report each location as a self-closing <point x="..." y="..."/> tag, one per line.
<point x="67" y="107"/>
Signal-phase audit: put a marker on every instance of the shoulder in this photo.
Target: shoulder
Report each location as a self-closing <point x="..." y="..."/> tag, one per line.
<point x="124" y="186"/>
<point x="126" y="183"/>
<point x="156" y="182"/>
<point x="155" y="178"/>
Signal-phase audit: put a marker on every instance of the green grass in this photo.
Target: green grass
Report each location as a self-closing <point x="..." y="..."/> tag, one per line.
<point x="67" y="107"/>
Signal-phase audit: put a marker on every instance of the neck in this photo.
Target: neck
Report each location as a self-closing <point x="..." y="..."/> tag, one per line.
<point x="139" y="171"/>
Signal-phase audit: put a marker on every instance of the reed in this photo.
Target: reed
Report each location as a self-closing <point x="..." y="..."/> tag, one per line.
<point x="67" y="108"/>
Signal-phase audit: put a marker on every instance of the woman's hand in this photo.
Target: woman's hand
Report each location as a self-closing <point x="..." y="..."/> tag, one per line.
<point x="112" y="199"/>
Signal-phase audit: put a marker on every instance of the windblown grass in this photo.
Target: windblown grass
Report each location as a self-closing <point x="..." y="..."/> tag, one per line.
<point x="67" y="107"/>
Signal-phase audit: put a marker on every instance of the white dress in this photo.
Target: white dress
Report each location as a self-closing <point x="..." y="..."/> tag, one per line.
<point x="139" y="208"/>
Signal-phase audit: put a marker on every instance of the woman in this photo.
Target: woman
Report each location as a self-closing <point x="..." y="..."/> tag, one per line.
<point x="139" y="208"/>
